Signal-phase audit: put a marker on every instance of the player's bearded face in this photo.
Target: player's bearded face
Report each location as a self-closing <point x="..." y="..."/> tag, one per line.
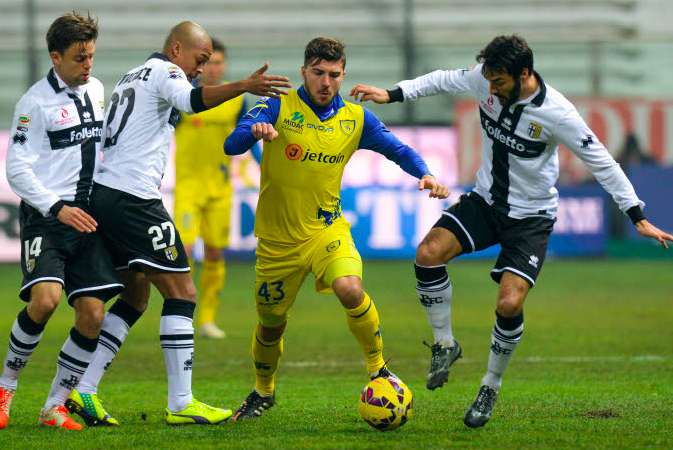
<point x="322" y="80"/>
<point x="75" y="64"/>
<point x="503" y="86"/>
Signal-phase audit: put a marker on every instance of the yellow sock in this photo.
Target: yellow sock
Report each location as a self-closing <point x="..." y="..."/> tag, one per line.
<point x="363" y="322"/>
<point x="212" y="282"/>
<point x="265" y="355"/>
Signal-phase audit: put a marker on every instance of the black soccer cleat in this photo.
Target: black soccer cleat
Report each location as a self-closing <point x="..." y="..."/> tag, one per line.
<point x="253" y="406"/>
<point x="442" y="359"/>
<point x="383" y="373"/>
<point x="482" y="408"/>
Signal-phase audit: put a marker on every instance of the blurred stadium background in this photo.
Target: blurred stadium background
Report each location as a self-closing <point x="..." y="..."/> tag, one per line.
<point x="612" y="57"/>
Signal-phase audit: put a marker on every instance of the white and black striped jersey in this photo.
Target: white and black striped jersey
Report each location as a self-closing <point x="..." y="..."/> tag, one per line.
<point x="139" y="124"/>
<point x="54" y="138"/>
<point x="520" y="166"/>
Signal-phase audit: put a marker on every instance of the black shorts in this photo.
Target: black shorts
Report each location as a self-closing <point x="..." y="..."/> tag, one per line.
<point x="53" y="251"/>
<point x="477" y="226"/>
<point x="139" y="233"/>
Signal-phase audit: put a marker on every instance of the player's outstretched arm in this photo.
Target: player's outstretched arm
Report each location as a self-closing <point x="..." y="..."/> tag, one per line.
<point x="366" y="93"/>
<point x="257" y="83"/>
<point x="646" y="229"/>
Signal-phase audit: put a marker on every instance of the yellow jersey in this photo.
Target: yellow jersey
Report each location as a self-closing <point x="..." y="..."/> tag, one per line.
<point x="199" y="138"/>
<point x="301" y="170"/>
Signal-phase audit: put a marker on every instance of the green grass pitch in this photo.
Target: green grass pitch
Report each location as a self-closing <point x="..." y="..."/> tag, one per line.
<point x="594" y="369"/>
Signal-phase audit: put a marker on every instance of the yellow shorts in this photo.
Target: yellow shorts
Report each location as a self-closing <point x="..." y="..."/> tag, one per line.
<point x="280" y="269"/>
<point x="203" y="210"/>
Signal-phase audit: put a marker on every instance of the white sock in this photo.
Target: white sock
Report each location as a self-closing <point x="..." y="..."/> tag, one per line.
<point x="116" y="324"/>
<point x="177" y="341"/>
<point x="76" y="353"/>
<point x="23" y="339"/>
<point x="435" y="292"/>
<point x="506" y="335"/>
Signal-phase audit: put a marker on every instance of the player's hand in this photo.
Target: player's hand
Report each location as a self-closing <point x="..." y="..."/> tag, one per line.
<point x="646" y="229"/>
<point x="437" y="190"/>
<point x="364" y="93"/>
<point x="77" y="218"/>
<point x="266" y="85"/>
<point x="264" y="131"/>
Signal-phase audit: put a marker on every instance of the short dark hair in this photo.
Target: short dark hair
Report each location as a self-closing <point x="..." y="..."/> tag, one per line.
<point x="69" y="28"/>
<point x="324" y="48"/>
<point x="509" y="54"/>
<point x="218" y="46"/>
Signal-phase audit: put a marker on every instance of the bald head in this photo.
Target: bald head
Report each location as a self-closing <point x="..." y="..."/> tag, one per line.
<point x="188" y="34"/>
<point x="189" y="46"/>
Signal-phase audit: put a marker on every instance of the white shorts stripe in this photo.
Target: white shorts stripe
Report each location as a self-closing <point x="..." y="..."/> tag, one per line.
<point x="95" y="288"/>
<point x="39" y="280"/>
<point x="145" y="262"/>
<point x="516" y="271"/>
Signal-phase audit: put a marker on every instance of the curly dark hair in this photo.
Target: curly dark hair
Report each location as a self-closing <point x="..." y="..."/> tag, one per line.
<point x="69" y="28"/>
<point x="324" y="48"/>
<point x="509" y="54"/>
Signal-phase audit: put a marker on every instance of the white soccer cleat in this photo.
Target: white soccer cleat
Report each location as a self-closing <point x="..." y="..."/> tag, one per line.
<point x="211" y="331"/>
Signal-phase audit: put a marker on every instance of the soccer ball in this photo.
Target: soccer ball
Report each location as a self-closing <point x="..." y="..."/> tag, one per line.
<point x="386" y="403"/>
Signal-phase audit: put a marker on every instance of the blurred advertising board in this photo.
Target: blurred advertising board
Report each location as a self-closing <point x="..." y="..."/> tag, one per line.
<point x="388" y="215"/>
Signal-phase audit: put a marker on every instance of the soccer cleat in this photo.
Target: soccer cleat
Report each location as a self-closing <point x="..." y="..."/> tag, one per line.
<point x="90" y="409"/>
<point x="211" y="331"/>
<point x="6" y="396"/>
<point x="383" y="373"/>
<point x="57" y="417"/>
<point x="442" y="359"/>
<point x="482" y="408"/>
<point x="253" y="406"/>
<point x="197" y="413"/>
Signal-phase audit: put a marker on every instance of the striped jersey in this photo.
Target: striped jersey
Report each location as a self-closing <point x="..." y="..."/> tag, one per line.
<point x="520" y="165"/>
<point x="55" y="135"/>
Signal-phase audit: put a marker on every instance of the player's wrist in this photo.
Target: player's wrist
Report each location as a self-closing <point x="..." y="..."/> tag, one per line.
<point x="395" y="95"/>
<point x="56" y="208"/>
<point x="636" y="214"/>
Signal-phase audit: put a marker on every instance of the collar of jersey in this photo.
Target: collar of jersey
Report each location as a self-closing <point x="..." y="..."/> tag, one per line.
<point x="323" y="113"/>
<point x="158" y="55"/>
<point x="58" y="85"/>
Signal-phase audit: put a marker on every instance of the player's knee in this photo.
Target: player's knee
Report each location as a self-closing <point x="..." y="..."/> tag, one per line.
<point x="43" y="304"/>
<point x="349" y="291"/>
<point x="432" y="252"/>
<point x="510" y="301"/>
<point x="272" y="333"/>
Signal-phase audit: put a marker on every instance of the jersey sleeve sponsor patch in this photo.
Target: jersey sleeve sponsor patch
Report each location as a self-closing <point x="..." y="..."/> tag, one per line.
<point x="253" y="113"/>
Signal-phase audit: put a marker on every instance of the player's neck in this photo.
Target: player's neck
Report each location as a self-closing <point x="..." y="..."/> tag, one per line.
<point x="529" y="87"/>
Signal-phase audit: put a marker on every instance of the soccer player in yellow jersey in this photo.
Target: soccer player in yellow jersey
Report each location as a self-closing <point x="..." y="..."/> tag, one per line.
<point x="203" y="188"/>
<point x="310" y="135"/>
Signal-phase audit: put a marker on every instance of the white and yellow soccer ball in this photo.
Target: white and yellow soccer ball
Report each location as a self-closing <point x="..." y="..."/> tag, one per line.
<point x="386" y="403"/>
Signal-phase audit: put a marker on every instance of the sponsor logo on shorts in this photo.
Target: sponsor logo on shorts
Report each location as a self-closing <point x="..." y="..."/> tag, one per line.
<point x="30" y="265"/>
<point x="171" y="253"/>
<point x="533" y="261"/>
<point x="333" y="246"/>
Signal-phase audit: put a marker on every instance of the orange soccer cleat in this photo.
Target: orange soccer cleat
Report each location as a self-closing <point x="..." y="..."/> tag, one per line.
<point x="57" y="416"/>
<point x="6" y="396"/>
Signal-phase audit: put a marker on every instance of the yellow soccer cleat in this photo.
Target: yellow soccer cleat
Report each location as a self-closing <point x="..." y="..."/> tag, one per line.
<point x="90" y="409"/>
<point x="197" y="413"/>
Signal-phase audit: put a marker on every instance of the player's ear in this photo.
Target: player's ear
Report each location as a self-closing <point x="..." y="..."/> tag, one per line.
<point x="56" y="57"/>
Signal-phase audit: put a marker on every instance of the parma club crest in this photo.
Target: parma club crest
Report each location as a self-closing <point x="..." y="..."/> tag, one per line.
<point x="171" y="253"/>
<point x="534" y="130"/>
<point x="347" y="126"/>
<point x="30" y="265"/>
